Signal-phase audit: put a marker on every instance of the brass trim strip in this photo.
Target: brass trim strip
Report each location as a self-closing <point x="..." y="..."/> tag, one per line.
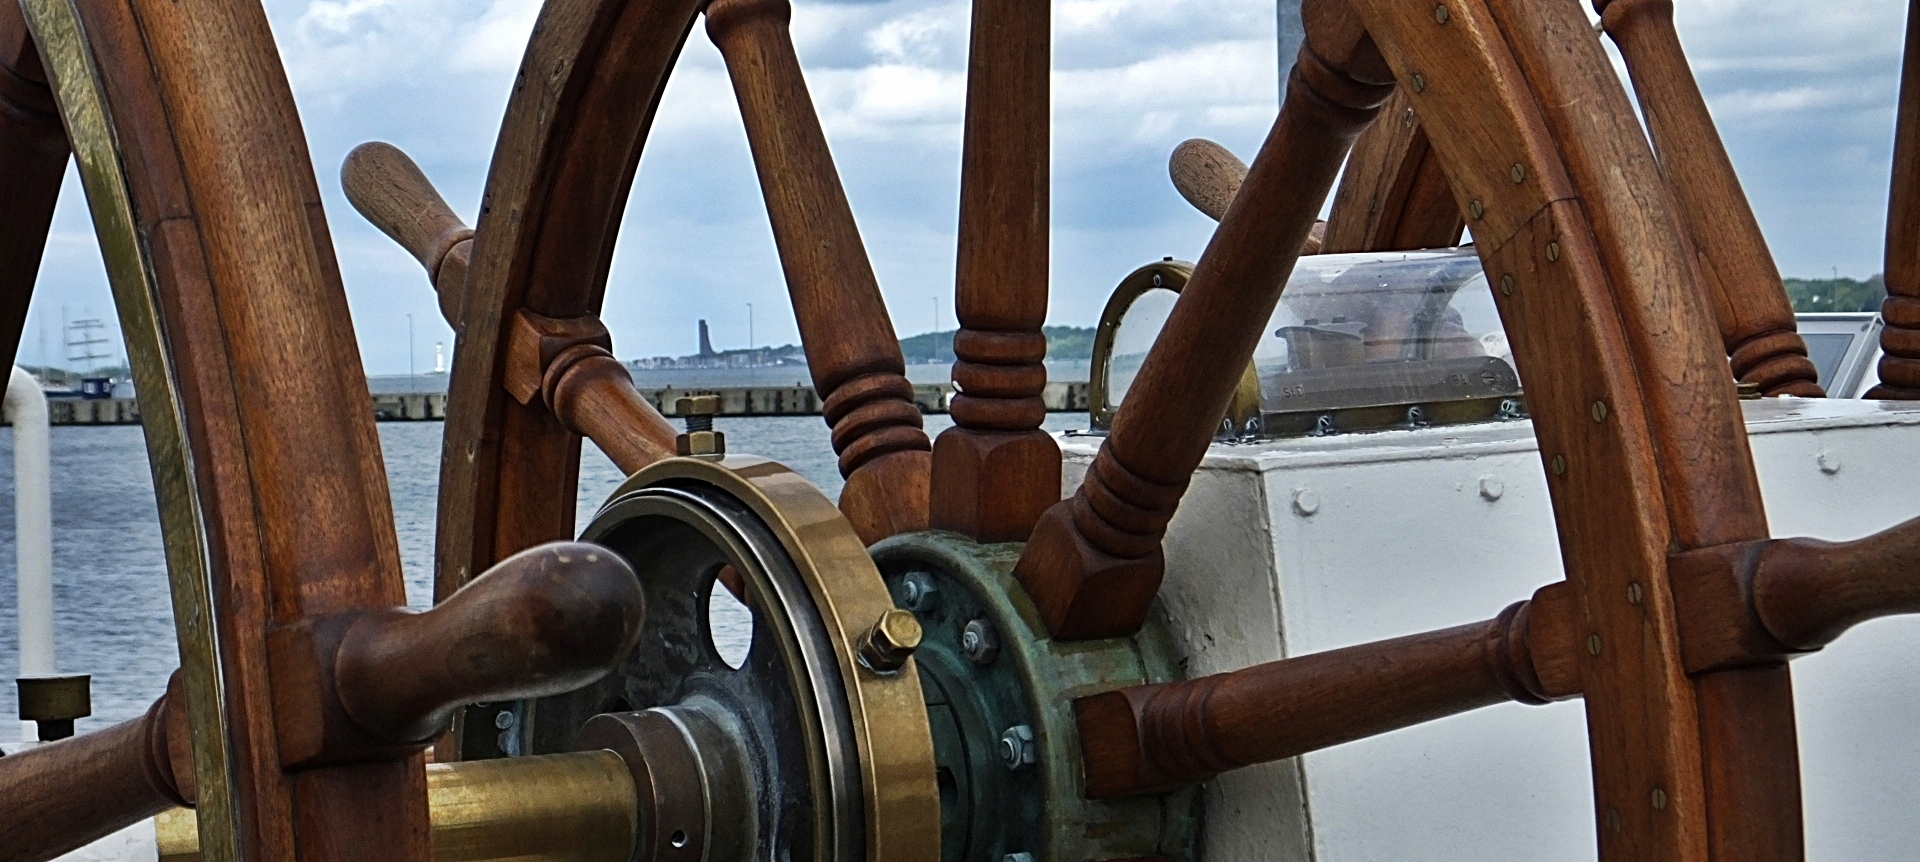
<point x="78" y="87"/>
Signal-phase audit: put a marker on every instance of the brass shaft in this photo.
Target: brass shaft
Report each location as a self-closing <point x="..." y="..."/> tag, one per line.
<point x="576" y="807"/>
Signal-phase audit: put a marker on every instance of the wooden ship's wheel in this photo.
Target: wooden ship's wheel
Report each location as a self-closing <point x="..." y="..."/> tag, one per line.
<point x="954" y="663"/>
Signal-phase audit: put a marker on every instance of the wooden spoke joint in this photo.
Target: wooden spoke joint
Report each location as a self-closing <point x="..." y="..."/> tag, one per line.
<point x="568" y="365"/>
<point x="1764" y="602"/>
<point x="1157" y="737"/>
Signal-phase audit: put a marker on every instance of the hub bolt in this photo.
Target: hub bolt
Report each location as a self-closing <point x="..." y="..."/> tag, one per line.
<point x="916" y="591"/>
<point x="891" y="641"/>
<point x="700" y="438"/>
<point x="980" y="641"/>
<point x="1017" y="750"/>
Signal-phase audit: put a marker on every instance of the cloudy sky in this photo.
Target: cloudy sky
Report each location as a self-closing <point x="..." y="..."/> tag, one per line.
<point x="1803" y="95"/>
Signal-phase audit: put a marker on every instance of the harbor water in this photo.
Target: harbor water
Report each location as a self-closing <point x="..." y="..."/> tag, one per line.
<point x="113" y="617"/>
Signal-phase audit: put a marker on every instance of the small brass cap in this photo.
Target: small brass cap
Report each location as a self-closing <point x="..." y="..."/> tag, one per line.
<point x="55" y="698"/>
<point x="891" y="640"/>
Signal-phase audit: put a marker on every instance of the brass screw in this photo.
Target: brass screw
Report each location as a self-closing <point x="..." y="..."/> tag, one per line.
<point x="1506" y="285"/>
<point x="1659" y="799"/>
<point x="1419" y="83"/>
<point x="1476" y="209"/>
<point x="1599" y="411"/>
<point x="1406" y="119"/>
<point x="1613" y="819"/>
<point x="1593" y="645"/>
<point x="1559" y="465"/>
<point x="1634" y="593"/>
<point x="1519" y="172"/>
<point x="891" y="640"/>
<point x="1441" y="14"/>
<point x="1553" y="251"/>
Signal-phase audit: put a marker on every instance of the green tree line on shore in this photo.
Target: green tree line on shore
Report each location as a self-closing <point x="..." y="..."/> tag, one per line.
<point x="1836" y="294"/>
<point x="1063" y="342"/>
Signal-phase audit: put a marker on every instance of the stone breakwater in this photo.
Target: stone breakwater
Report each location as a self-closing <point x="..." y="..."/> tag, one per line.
<point x="734" y="401"/>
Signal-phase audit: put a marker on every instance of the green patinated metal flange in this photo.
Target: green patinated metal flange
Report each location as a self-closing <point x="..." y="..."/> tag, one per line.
<point x="1000" y="696"/>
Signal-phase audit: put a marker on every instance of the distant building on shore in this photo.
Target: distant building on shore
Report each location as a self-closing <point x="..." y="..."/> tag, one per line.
<point x="753" y="357"/>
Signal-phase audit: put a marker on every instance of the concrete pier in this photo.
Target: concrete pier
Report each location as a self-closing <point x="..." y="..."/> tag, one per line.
<point x="734" y="401"/>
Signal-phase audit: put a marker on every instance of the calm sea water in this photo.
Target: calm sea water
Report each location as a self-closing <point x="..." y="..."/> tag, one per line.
<point x="112" y="612"/>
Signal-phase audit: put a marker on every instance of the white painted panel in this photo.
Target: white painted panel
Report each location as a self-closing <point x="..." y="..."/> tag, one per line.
<point x="1400" y="540"/>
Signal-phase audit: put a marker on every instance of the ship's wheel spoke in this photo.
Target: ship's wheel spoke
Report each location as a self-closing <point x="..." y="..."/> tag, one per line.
<point x="994" y="472"/>
<point x="1094" y="562"/>
<point x="1749" y="301"/>
<point x="1900" y="366"/>
<point x="1394" y="193"/>
<point x="851" y="349"/>
<point x="567" y="365"/>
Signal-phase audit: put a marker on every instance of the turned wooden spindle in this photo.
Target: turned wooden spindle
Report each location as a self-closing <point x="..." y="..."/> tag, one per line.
<point x="851" y="349"/>
<point x="1394" y="194"/>
<point x="1094" y="562"/>
<point x="1749" y="301"/>
<point x="33" y="147"/>
<point x="1209" y="175"/>
<point x="1900" y="363"/>
<point x="376" y="684"/>
<point x="566" y="364"/>
<point x="389" y="189"/>
<point x="1807" y="592"/>
<point x="1154" y="738"/>
<point x="995" y="471"/>
<point x="64" y="795"/>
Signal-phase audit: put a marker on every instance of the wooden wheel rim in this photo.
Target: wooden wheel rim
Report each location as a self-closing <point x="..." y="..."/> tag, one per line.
<point x="1637" y="417"/>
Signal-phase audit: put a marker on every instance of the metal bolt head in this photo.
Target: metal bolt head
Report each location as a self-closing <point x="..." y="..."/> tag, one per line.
<point x="980" y="641"/>
<point x="1519" y="172"/>
<point x="917" y="591"/>
<point x="503" y="719"/>
<point x="1635" y="594"/>
<point x="1306" y="503"/>
<point x="1017" y="750"/>
<point x="1441" y="15"/>
<point x="1593" y="644"/>
<point x="1599" y="411"/>
<point x="891" y="641"/>
<point x="697" y="405"/>
<point x="1659" y="799"/>
<point x="701" y="443"/>
<point x="1419" y="83"/>
<point x="1559" y="465"/>
<point x="1476" y="209"/>
<point x="1553" y="251"/>
<point x="1491" y="488"/>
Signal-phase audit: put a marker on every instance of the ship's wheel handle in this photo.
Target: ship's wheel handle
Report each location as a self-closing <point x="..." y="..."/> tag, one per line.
<point x="355" y="687"/>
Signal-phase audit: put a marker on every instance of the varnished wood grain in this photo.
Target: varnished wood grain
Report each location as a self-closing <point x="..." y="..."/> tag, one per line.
<point x="64" y="795"/>
<point x="1807" y="592"/>
<point x="1156" y="737"/>
<point x="297" y="510"/>
<point x="391" y="191"/>
<point x="1736" y="269"/>
<point x="851" y="350"/>
<point x="33" y="149"/>
<point x="995" y="471"/>
<point x="1208" y="175"/>
<point x="1900" y="364"/>
<point x="1393" y="194"/>
<point x="1095" y="563"/>
<point x="374" y="685"/>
